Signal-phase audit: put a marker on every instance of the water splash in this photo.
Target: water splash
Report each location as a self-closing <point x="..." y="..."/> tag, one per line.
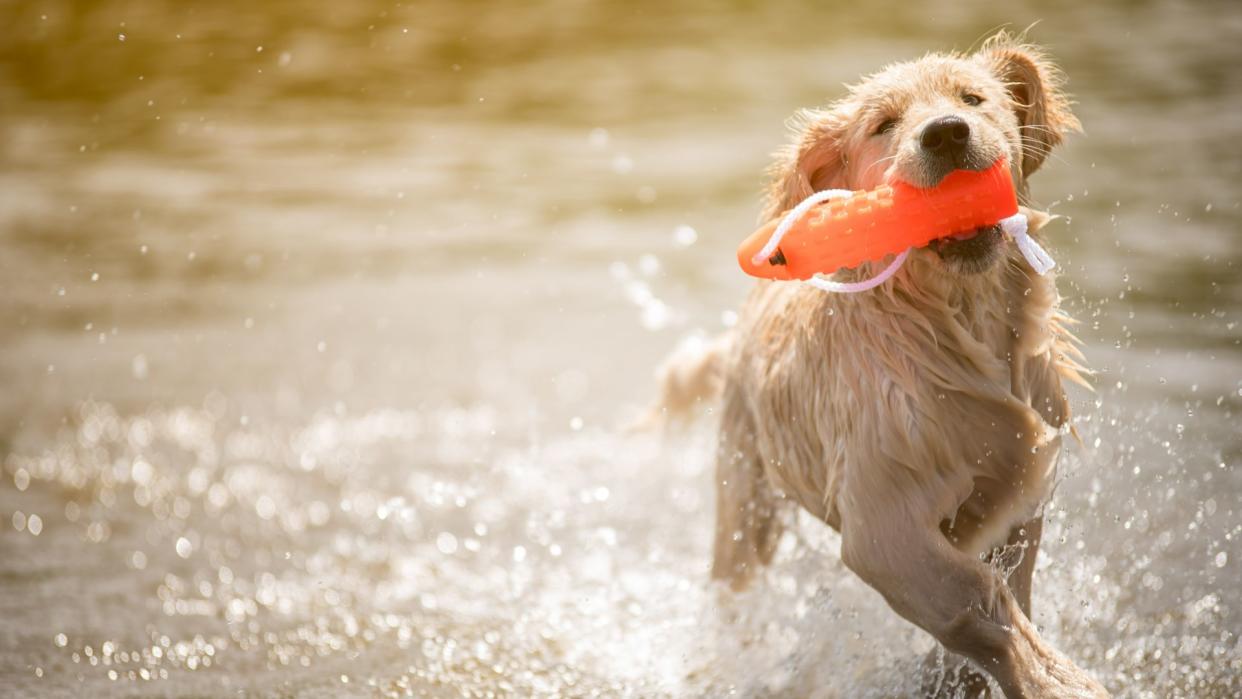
<point x="392" y="552"/>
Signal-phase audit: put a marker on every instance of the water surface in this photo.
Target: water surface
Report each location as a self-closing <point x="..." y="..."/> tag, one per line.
<point x="319" y="321"/>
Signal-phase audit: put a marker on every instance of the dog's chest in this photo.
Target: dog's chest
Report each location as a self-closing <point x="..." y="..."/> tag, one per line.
<point x="908" y="398"/>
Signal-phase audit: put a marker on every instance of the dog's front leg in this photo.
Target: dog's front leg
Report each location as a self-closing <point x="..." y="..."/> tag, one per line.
<point x="959" y="600"/>
<point x="950" y="672"/>
<point x="1026" y="538"/>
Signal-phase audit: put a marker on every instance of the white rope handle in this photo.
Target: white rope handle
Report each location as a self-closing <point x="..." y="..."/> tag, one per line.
<point x="1036" y="256"/>
<point x="1014" y="226"/>
<point x="864" y="285"/>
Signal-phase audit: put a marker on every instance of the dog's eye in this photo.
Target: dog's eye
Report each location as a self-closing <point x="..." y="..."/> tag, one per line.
<point x="885" y="126"/>
<point x="972" y="100"/>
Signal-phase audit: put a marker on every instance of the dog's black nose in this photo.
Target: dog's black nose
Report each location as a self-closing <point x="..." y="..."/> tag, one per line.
<point x="945" y="136"/>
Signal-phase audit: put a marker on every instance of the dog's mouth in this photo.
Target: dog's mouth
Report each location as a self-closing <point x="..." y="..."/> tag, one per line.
<point x="971" y="252"/>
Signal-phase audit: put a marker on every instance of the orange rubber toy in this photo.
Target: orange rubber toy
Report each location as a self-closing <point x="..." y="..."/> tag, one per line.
<point x="847" y="231"/>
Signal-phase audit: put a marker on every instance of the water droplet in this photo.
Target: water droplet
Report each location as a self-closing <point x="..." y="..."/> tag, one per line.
<point x="265" y="507"/>
<point x="446" y="543"/>
<point x="184" y="547"/>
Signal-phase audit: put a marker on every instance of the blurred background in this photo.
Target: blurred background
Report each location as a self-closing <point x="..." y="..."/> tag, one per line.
<point x="319" y="320"/>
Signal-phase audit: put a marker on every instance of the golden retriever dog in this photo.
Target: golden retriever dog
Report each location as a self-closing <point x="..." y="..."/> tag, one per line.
<point x="922" y="419"/>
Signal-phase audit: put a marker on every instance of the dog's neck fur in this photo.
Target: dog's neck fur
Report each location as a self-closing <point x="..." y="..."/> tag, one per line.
<point x="925" y="295"/>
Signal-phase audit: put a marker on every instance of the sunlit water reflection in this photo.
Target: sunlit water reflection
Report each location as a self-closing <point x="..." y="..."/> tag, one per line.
<point x="314" y="356"/>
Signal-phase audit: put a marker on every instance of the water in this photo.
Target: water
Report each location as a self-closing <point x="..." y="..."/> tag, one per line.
<point x="319" y="322"/>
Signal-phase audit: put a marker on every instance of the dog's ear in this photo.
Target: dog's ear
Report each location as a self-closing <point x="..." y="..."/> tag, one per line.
<point x="815" y="159"/>
<point x="1034" y="84"/>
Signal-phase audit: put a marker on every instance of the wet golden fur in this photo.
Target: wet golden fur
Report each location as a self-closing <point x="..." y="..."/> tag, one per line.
<point x="922" y="419"/>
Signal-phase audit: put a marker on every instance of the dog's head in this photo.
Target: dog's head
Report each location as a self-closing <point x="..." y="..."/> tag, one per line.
<point x="920" y="120"/>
